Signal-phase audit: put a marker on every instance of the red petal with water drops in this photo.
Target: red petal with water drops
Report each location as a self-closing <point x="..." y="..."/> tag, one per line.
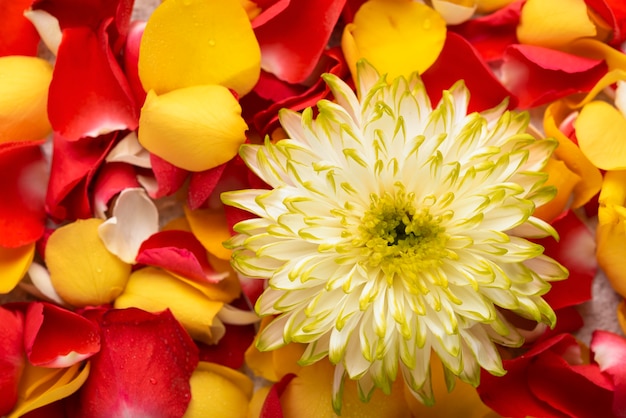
<point x="74" y="164"/>
<point x="610" y="353"/>
<point x="179" y="252"/>
<point x="11" y="357"/>
<point x="56" y="337"/>
<point x="538" y="75"/>
<point x="89" y="94"/>
<point x="460" y="61"/>
<point x="17" y="35"/>
<point x="142" y="369"/>
<point x="492" y="33"/>
<point x="576" y="251"/>
<point x="23" y="174"/>
<point x="293" y="41"/>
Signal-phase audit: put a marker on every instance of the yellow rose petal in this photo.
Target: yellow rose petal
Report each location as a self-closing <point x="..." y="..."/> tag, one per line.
<point x="211" y="229"/>
<point x="155" y="290"/>
<point x="82" y="270"/>
<point x="488" y="6"/>
<point x="194" y="42"/>
<point x="41" y="386"/>
<point x="14" y="263"/>
<point x="195" y="128"/>
<point x="554" y="23"/>
<point x="24" y="83"/>
<point x="397" y="37"/>
<point x="600" y="131"/>
<point x="572" y="156"/>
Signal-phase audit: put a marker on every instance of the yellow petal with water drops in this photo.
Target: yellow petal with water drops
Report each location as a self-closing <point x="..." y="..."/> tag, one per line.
<point x="14" y="263"/>
<point x="600" y="129"/>
<point x="564" y="181"/>
<point x="488" y="6"/>
<point x="40" y="386"/>
<point x="397" y="37"/>
<point x="194" y="128"/>
<point x="24" y="83"/>
<point x="611" y="230"/>
<point x="572" y="156"/>
<point x="155" y="290"/>
<point x="621" y="315"/>
<point x="463" y="401"/>
<point x="309" y="395"/>
<point x="194" y="42"/>
<point x="554" y="23"/>
<point x="218" y="392"/>
<point x="211" y="229"/>
<point x="82" y="270"/>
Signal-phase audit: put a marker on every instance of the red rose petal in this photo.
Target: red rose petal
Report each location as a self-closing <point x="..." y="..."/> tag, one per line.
<point x="17" y="35"/>
<point x="460" y="61"/>
<point x="169" y="177"/>
<point x="22" y="213"/>
<point x="202" y="185"/>
<point x="293" y="41"/>
<point x="111" y="180"/>
<point x="11" y="358"/>
<point x="269" y="10"/>
<point x="538" y="75"/>
<point x="131" y="60"/>
<point x="576" y="251"/>
<point x="230" y="350"/>
<point x="271" y="407"/>
<point x="492" y="33"/>
<point x="179" y="252"/>
<point x="142" y="369"/>
<point x="614" y="13"/>
<point x="74" y="163"/>
<point x="610" y="353"/>
<point x="56" y="337"/>
<point x="89" y="94"/>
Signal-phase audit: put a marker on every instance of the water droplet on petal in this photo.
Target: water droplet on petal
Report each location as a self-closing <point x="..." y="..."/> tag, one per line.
<point x="153" y="381"/>
<point x="211" y="42"/>
<point x="427" y="24"/>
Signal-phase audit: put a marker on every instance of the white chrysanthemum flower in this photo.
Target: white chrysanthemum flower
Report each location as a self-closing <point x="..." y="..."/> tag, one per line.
<point x="394" y="230"/>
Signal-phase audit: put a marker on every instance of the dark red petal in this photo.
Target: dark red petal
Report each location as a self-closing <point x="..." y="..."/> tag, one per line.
<point x="492" y="33"/>
<point x="293" y="41"/>
<point x="576" y="251"/>
<point x="230" y="350"/>
<point x="89" y="94"/>
<point x="22" y="187"/>
<point x="74" y="163"/>
<point x="554" y="381"/>
<point x="56" y="337"/>
<point x="179" y="252"/>
<point x="11" y="358"/>
<point x="538" y="75"/>
<point x="271" y="407"/>
<point x="202" y="185"/>
<point x="142" y="369"/>
<point x="17" y="35"/>
<point x="460" y="61"/>
<point x="610" y="353"/>
<point x="169" y="177"/>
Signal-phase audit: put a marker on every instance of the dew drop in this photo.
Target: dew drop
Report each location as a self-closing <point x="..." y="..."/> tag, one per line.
<point x="427" y="24"/>
<point x="211" y="42"/>
<point x="153" y="381"/>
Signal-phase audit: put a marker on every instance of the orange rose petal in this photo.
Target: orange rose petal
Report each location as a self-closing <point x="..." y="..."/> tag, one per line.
<point x="600" y="131"/>
<point x="211" y="229"/>
<point x="488" y="6"/>
<point x="564" y="180"/>
<point x="195" y="42"/>
<point x="82" y="270"/>
<point x="14" y="263"/>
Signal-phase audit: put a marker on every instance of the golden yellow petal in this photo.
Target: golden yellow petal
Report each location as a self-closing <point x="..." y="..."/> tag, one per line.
<point x="610" y="238"/>
<point x="195" y="42"/>
<point x="155" y="290"/>
<point x="194" y="128"/>
<point x="82" y="270"/>
<point x="211" y="229"/>
<point x="397" y="37"/>
<point x="24" y="83"/>
<point x="488" y="6"/>
<point x="600" y="131"/>
<point x="14" y="263"/>
<point x="554" y="23"/>
<point x="216" y="394"/>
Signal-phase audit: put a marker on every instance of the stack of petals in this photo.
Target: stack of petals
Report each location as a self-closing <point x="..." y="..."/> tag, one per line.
<point x="288" y="208"/>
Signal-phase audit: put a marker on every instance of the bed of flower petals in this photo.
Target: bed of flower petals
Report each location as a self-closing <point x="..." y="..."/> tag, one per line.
<point x="118" y="135"/>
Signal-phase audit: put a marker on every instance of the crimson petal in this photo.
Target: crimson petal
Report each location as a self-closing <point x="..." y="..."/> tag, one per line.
<point x="202" y="185"/>
<point x="11" y="357"/>
<point x="17" y="35"/>
<point x="22" y="213"/>
<point x="169" y="177"/>
<point x="538" y="75"/>
<point x="272" y="407"/>
<point x="459" y="60"/>
<point x="293" y="41"/>
<point x="230" y="351"/>
<point x="111" y="180"/>
<point x="89" y="94"/>
<point x="614" y="13"/>
<point x="56" y="337"/>
<point x="142" y="369"/>
<point x="179" y="252"/>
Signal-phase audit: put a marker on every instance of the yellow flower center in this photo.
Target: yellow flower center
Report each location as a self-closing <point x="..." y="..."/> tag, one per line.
<point x="401" y="237"/>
